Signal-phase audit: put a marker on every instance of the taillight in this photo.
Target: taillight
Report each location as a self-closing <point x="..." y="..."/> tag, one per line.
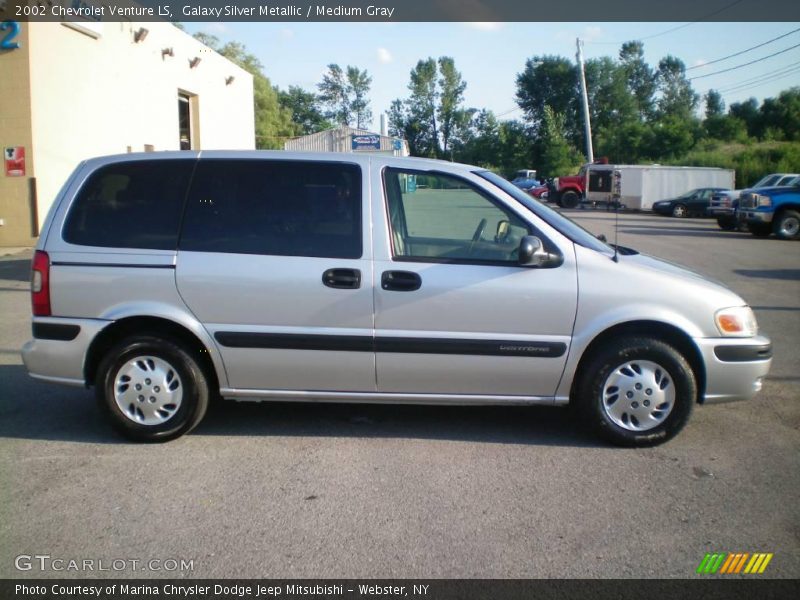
<point x="40" y="284"/>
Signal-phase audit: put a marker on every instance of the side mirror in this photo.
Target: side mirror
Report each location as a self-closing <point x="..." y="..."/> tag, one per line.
<point x="533" y="254"/>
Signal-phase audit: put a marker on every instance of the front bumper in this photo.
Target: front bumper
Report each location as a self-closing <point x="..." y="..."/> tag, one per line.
<point x="720" y="211"/>
<point x="58" y="350"/>
<point x="752" y="216"/>
<point x="735" y="367"/>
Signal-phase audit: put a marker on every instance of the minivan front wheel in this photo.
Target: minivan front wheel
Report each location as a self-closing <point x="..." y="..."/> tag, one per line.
<point x="637" y="391"/>
<point x="153" y="389"/>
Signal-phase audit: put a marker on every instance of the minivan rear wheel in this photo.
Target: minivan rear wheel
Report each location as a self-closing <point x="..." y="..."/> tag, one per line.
<point x="636" y="391"/>
<point x="152" y="389"/>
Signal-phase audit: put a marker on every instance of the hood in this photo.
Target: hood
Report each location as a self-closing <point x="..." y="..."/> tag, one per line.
<point x="658" y="264"/>
<point x="770" y="191"/>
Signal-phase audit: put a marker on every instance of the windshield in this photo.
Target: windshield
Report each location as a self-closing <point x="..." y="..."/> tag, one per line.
<point x="568" y="227"/>
<point x="788" y="180"/>
<point x="766" y="181"/>
<point x="689" y="194"/>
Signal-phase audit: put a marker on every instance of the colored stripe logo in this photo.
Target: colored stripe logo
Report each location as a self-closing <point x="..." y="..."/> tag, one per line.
<point x="734" y="563"/>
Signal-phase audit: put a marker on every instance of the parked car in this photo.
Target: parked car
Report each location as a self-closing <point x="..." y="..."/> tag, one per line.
<point x="692" y="203"/>
<point x="165" y="280"/>
<point x="540" y="192"/>
<point x="525" y="184"/>
<point x="772" y="210"/>
<point x="724" y="203"/>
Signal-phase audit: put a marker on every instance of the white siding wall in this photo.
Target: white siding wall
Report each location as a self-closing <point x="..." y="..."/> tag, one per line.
<point x="94" y="96"/>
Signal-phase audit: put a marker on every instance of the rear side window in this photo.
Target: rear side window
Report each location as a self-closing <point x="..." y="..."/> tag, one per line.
<point x="130" y="205"/>
<point x="297" y="208"/>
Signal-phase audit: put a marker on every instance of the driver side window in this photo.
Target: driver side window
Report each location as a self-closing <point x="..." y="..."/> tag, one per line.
<point x="436" y="217"/>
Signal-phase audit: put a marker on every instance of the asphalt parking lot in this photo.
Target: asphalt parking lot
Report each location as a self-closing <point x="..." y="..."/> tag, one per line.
<point x="293" y="490"/>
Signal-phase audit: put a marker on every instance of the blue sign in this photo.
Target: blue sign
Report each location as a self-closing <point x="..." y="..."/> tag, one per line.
<point x="366" y="142"/>
<point x="397" y="145"/>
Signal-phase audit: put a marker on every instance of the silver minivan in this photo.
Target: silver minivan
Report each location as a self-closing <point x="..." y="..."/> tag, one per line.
<point x="166" y="280"/>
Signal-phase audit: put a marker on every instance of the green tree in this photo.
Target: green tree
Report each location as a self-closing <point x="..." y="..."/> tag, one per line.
<point x="715" y="107"/>
<point x="432" y="119"/>
<point x="481" y="143"/>
<point x="333" y="94"/>
<point x="344" y="92"/>
<point x="782" y="114"/>
<point x="640" y="78"/>
<point x="557" y="155"/>
<point x="453" y="119"/>
<point x="549" y="81"/>
<point x="610" y="103"/>
<point x="273" y="123"/>
<point x="677" y="98"/>
<point x="358" y="84"/>
<point x="305" y="108"/>
<point x="747" y="111"/>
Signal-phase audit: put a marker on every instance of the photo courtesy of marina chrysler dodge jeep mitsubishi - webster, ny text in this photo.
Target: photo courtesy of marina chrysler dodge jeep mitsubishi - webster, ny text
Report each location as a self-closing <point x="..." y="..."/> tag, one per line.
<point x="166" y="280"/>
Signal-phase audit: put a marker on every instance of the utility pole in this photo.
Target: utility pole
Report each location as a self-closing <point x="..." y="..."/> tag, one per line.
<point x="587" y="125"/>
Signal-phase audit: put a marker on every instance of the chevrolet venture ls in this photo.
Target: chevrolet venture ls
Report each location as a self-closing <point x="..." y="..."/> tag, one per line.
<point x="166" y="279"/>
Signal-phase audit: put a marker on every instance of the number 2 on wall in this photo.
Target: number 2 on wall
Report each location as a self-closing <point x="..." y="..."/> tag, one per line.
<point x="7" y="41"/>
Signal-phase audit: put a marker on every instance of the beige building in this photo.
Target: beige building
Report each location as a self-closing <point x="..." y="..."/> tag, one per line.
<point x="72" y="91"/>
<point x="349" y="139"/>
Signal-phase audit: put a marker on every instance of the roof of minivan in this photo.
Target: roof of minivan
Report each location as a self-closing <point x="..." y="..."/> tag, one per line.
<point x="413" y="162"/>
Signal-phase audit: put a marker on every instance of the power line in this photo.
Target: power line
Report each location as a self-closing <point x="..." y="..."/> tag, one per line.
<point x="754" y="84"/>
<point x="648" y="37"/>
<point x="508" y="112"/>
<point x="752" y="62"/>
<point x="743" y="51"/>
<point x="750" y="80"/>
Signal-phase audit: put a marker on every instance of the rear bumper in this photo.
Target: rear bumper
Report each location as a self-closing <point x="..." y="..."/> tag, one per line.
<point x="735" y="367"/>
<point x="58" y="350"/>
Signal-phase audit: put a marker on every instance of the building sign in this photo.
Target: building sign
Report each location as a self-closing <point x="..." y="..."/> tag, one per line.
<point x="366" y="142"/>
<point x="15" y="161"/>
<point x="9" y="30"/>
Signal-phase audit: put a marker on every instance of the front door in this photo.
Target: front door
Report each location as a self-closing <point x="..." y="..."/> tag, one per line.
<point x="455" y="314"/>
<point x="272" y="260"/>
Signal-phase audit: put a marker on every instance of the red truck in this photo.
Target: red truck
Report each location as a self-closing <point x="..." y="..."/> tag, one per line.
<point x="568" y="191"/>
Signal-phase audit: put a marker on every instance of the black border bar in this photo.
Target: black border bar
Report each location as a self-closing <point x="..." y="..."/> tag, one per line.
<point x="402" y="345"/>
<point x="62" y="332"/>
<point x="412" y="10"/>
<point x="744" y="353"/>
<point x="705" y="587"/>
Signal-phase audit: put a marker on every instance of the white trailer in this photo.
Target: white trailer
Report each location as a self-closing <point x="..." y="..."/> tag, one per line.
<point x="642" y="185"/>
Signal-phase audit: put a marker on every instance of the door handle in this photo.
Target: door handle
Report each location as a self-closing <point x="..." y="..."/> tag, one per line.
<point x="345" y="279"/>
<point x="400" y="281"/>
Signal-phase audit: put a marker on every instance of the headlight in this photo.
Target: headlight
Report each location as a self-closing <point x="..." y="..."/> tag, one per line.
<point x="763" y="200"/>
<point x="737" y="321"/>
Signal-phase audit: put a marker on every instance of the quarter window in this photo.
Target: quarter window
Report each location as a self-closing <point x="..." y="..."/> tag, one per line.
<point x="130" y="205"/>
<point x="274" y="207"/>
<point x="438" y="217"/>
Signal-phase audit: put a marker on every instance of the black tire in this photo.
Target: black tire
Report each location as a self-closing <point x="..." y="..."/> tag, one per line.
<point x="680" y="211"/>
<point x="787" y="225"/>
<point x="186" y="371"/>
<point x="607" y="362"/>
<point x="569" y="199"/>
<point x="760" y="230"/>
<point x="726" y="223"/>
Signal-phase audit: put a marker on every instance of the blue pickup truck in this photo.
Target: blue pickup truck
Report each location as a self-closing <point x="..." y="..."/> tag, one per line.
<point x="724" y="203"/>
<point x="772" y="210"/>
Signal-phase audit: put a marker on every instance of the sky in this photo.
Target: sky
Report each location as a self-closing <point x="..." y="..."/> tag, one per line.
<point x="490" y="55"/>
